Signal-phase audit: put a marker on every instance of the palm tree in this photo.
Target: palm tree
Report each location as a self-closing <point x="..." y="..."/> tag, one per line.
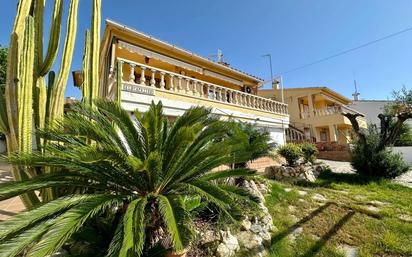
<point x="137" y="168"/>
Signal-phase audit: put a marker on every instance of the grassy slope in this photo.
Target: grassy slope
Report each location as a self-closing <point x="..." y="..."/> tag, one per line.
<point x="347" y="217"/>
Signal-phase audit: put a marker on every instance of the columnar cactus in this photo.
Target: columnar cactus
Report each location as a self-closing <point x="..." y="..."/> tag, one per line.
<point x="95" y="48"/>
<point x="86" y="68"/>
<point x="57" y="92"/>
<point x="26" y="94"/>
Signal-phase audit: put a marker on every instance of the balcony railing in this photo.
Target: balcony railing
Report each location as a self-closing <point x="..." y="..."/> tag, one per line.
<point x="328" y="111"/>
<point x="333" y="110"/>
<point x="151" y="78"/>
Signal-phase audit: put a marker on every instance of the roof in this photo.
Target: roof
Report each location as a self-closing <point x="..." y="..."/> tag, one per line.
<point x="181" y="50"/>
<point x="321" y="88"/>
<point x="373" y="101"/>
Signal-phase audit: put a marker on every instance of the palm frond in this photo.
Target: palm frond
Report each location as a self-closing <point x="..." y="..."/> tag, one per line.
<point x="228" y="174"/>
<point x="238" y="193"/>
<point x="13" y="247"/>
<point x="176" y="220"/>
<point x="117" y="241"/>
<point x="134" y="228"/>
<point x="16" y="188"/>
<point x="70" y="221"/>
<point x="213" y="194"/>
<point x="123" y="121"/>
<point x="25" y="220"/>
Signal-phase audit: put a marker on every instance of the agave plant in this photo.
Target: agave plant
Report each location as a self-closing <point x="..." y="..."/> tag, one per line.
<point x="138" y="168"/>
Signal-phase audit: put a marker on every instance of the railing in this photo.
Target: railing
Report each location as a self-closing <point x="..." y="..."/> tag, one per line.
<point x="328" y="111"/>
<point x="137" y="74"/>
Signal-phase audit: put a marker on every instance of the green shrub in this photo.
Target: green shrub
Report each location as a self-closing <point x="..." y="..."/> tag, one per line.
<point x="372" y="162"/>
<point x="291" y="152"/>
<point x="309" y="151"/>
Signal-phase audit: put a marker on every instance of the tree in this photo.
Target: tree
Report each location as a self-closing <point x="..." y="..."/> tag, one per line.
<point x="256" y="141"/>
<point x="391" y="124"/>
<point x="137" y="169"/>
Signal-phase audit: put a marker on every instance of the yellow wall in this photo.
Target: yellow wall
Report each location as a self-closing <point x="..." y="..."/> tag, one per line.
<point x="319" y="101"/>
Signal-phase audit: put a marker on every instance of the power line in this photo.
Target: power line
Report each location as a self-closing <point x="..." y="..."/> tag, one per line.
<point x="346" y="51"/>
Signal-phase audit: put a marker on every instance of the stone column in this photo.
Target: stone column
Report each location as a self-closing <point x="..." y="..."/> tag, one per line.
<point x="333" y="133"/>
<point x="311" y="106"/>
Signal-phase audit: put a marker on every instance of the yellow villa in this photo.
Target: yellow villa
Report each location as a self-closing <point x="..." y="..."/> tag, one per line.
<point x="153" y="70"/>
<point x="316" y="114"/>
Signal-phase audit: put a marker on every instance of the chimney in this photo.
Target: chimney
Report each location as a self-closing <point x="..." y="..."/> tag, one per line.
<point x="276" y="84"/>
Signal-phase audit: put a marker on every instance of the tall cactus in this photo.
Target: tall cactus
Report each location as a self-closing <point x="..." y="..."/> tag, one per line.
<point x="95" y="48"/>
<point x="26" y="94"/>
<point x="90" y="85"/>
<point x="86" y="69"/>
<point x="57" y="92"/>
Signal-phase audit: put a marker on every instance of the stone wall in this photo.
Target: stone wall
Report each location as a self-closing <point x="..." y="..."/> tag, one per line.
<point x="333" y="151"/>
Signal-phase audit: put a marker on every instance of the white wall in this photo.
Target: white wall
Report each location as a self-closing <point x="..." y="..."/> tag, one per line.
<point x="371" y="109"/>
<point x="276" y="126"/>
<point x="406" y="152"/>
<point x="2" y="146"/>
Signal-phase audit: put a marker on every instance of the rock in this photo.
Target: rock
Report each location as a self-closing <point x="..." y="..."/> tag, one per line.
<point x="291" y="208"/>
<point x="267" y="221"/>
<point x="303" y="172"/>
<point x="266" y="237"/>
<point x="315" y="237"/>
<point x="287" y="190"/>
<point x="406" y="218"/>
<point x="256" y="228"/>
<point x="246" y="224"/>
<point x="208" y="237"/>
<point x="301" y="200"/>
<point x="302" y="193"/>
<point x="223" y="251"/>
<point x="348" y="250"/>
<point x="249" y="240"/>
<point x="228" y="246"/>
<point x="252" y="188"/>
<point x="319" y="197"/>
<point x="378" y="203"/>
<point x="293" y="218"/>
<point x="295" y="233"/>
<point x="372" y="208"/>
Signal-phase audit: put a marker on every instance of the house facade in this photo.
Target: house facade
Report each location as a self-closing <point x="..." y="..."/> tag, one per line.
<point x="153" y="70"/>
<point x="316" y="114"/>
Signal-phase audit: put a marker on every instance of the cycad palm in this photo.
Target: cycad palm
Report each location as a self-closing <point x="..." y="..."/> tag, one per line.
<point x="137" y="167"/>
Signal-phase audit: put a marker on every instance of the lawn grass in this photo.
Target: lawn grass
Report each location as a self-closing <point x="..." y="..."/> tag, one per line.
<point x="358" y="212"/>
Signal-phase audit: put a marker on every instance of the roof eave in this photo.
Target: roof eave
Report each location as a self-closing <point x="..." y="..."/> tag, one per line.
<point x="181" y="50"/>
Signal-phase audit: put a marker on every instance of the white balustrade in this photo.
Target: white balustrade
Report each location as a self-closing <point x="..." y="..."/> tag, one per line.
<point x="173" y="82"/>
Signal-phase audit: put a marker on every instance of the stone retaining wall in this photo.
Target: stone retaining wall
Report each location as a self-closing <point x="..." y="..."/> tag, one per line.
<point x="333" y="151"/>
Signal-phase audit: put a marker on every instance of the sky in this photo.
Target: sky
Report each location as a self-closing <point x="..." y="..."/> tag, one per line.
<point x="294" y="32"/>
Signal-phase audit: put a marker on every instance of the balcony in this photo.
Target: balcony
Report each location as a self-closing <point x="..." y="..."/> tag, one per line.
<point x="333" y="114"/>
<point x="147" y="80"/>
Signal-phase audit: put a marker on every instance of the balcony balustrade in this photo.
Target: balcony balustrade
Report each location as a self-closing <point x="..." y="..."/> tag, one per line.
<point x="327" y="111"/>
<point x="138" y="77"/>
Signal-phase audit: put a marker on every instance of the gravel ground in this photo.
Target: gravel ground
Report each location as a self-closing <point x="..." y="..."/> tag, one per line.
<point x="345" y="167"/>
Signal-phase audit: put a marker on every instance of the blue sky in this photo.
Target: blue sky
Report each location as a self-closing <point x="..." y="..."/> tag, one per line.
<point x="295" y="32"/>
